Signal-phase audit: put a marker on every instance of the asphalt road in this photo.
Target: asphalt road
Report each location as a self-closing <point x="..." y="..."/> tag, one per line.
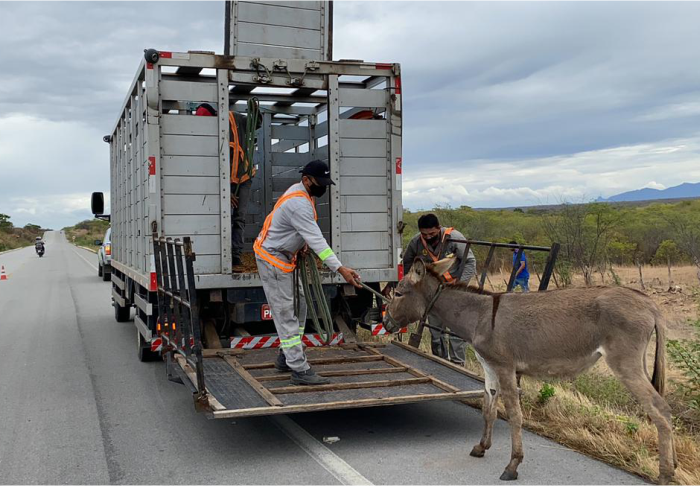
<point x="76" y="406"/>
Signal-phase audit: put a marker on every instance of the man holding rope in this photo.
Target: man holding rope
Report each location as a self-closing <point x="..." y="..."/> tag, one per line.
<point x="241" y="143"/>
<point x="291" y="227"/>
<point x="431" y="244"/>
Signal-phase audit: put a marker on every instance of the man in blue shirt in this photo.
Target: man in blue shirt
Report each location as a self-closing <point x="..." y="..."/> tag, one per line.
<point x="522" y="275"/>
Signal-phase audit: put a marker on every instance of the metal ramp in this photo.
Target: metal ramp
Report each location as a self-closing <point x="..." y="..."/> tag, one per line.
<point x="242" y="383"/>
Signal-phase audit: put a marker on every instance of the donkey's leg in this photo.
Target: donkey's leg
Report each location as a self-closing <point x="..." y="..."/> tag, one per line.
<point x="489" y="408"/>
<point x="511" y="399"/>
<point x="634" y="378"/>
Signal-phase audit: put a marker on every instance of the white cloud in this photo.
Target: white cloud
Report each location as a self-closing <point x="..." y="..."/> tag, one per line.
<point x="577" y="177"/>
<point x="655" y="185"/>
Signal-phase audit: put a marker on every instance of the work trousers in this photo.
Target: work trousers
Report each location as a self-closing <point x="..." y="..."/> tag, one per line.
<point x="279" y="290"/>
<point x="238" y="217"/>
<point x="444" y="345"/>
<point x="523" y="283"/>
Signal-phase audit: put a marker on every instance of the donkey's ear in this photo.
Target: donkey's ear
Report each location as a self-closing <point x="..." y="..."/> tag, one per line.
<point x="417" y="271"/>
<point x="444" y="265"/>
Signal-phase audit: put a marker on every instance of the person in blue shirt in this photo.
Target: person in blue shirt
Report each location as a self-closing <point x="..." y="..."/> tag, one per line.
<point x="522" y="275"/>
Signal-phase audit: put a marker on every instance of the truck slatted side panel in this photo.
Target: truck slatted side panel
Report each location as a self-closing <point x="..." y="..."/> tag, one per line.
<point x="365" y="189"/>
<point x="190" y="171"/>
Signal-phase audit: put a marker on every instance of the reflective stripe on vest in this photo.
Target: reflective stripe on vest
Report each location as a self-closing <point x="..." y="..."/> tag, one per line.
<point x="257" y="246"/>
<point x="446" y="275"/>
<point x="237" y="152"/>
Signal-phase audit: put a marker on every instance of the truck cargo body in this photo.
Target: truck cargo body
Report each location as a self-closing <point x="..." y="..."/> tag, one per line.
<point x="170" y="170"/>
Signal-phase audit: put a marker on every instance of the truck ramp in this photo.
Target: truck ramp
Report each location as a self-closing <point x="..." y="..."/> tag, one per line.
<point x="246" y="384"/>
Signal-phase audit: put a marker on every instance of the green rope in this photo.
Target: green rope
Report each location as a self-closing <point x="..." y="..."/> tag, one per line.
<point x="252" y="120"/>
<point x="310" y="277"/>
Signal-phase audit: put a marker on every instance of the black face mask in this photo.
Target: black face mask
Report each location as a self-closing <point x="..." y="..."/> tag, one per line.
<point x="317" y="191"/>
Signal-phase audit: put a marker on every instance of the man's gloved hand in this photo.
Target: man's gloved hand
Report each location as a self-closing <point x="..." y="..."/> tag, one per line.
<point x="234" y="201"/>
<point x="350" y="276"/>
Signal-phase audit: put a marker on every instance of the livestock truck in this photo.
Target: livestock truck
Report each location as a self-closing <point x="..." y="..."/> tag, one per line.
<point x="170" y="217"/>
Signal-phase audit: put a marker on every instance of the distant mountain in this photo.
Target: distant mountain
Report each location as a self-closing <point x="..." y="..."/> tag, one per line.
<point x="685" y="190"/>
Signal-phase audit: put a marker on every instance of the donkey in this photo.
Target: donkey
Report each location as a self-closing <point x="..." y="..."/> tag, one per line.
<point x="544" y="334"/>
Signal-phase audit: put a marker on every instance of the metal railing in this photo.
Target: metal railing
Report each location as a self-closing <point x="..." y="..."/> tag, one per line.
<point x="178" y="311"/>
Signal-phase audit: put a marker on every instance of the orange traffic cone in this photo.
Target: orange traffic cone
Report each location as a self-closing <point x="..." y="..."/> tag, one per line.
<point x="2" y="273"/>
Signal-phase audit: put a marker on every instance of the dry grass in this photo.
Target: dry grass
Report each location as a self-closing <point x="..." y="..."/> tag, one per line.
<point x="594" y="414"/>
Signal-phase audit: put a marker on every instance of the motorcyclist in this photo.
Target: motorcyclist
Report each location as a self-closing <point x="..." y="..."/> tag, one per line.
<point x="39" y="245"/>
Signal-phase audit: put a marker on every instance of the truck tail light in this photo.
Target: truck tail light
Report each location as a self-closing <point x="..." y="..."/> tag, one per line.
<point x="108" y="249"/>
<point x="400" y="271"/>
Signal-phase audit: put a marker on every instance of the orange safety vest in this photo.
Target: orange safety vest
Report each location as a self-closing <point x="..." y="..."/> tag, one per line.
<point x="448" y="278"/>
<point x="257" y="246"/>
<point x="237" y="153"/>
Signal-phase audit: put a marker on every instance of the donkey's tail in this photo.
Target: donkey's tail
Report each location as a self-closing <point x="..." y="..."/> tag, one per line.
<point x="658" y="378"/>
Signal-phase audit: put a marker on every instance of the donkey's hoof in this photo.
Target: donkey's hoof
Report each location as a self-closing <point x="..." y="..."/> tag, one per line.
<point x="477" y="451"/>
<point x="509" y="476"/>
<point x="665" y="479"/>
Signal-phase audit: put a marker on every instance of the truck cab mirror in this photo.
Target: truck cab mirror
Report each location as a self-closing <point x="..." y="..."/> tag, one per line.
<point x="97" y="203"/>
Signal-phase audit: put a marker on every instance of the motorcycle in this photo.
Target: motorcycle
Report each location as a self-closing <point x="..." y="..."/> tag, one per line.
<point x="40" y="250"/>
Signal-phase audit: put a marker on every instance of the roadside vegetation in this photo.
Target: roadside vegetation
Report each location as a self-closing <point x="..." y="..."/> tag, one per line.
<point x="86" y="232"/>
<point x="12" y="237"/>
<point x="654" y="248"/>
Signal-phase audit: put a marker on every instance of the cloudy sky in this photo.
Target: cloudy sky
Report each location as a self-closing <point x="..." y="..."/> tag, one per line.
<point x="505" y="104"/>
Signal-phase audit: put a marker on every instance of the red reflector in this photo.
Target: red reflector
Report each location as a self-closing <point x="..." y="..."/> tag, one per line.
<point x="400" y="271"/>
<point x="151" y="166"/>
<point x="156" y="344"/>
<point x="154" y="282"/>
<point x="398" y="85"/>
<point x="399" y="168"/>
<point x="382" y="65"/>
<point x="266" y="312"/>
<point x="166" y="54"/>
<point x="149" y="65"/>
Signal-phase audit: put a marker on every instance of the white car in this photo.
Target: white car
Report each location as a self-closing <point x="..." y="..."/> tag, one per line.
<point x="104" y="256"/>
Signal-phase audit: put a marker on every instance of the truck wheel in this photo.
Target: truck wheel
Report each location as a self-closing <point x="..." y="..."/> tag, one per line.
<point x="100" y="271"/>
<point x="121" y="314"/>
<point x="144" y="349"/>
<point x="106" y="276"/>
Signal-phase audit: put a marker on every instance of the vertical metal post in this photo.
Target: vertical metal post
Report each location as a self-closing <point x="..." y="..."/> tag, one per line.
<point x="186" y="324"/>
<point x="487" y="263"/>
<point x="549" y="266"/>
<point x="194" y="315"/>
<point x="334" y="155"/>
<point x="157" y="251"/>
<point x="176" y="315"/>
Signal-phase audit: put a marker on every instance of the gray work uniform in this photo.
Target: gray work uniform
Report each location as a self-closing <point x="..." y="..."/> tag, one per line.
<point x="292" y="226"/>
<point x="443" y="345"/>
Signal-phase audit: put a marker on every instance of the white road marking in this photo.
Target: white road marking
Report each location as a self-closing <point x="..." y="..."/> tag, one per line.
<point x="340" y="469"/>
<point x="85" y="259"/>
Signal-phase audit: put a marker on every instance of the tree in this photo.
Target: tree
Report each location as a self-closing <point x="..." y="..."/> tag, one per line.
<point x="584" y="231"/>
<point x="5" y="224"/>
<point x="684" y="220"/>
<point x="668" y="253"/>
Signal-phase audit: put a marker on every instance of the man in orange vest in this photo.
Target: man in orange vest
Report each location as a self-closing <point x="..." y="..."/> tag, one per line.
<point x="242" y="174"/>
<point x="431" y="244"/>
<point x="290" y="227"/>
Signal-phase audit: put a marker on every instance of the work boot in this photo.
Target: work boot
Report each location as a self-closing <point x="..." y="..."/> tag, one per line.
<point x="308" y="377"/>
<point x="281" y="363"/>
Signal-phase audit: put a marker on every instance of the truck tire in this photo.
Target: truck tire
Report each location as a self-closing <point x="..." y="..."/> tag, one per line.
<point x="121" y="314"/>
<point x="144" y="349"/>
<point x="106" y="276"/>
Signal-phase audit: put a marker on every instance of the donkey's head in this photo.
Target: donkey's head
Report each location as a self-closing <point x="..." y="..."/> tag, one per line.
<point x="414" y="293"/>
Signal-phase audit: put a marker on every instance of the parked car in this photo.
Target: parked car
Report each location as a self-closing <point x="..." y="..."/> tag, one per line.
<point x="104" y="256"/>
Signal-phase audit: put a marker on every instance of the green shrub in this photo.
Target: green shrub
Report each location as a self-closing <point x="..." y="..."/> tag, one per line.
<point x="685" y="354"/>
<point x="546" y="392"/>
